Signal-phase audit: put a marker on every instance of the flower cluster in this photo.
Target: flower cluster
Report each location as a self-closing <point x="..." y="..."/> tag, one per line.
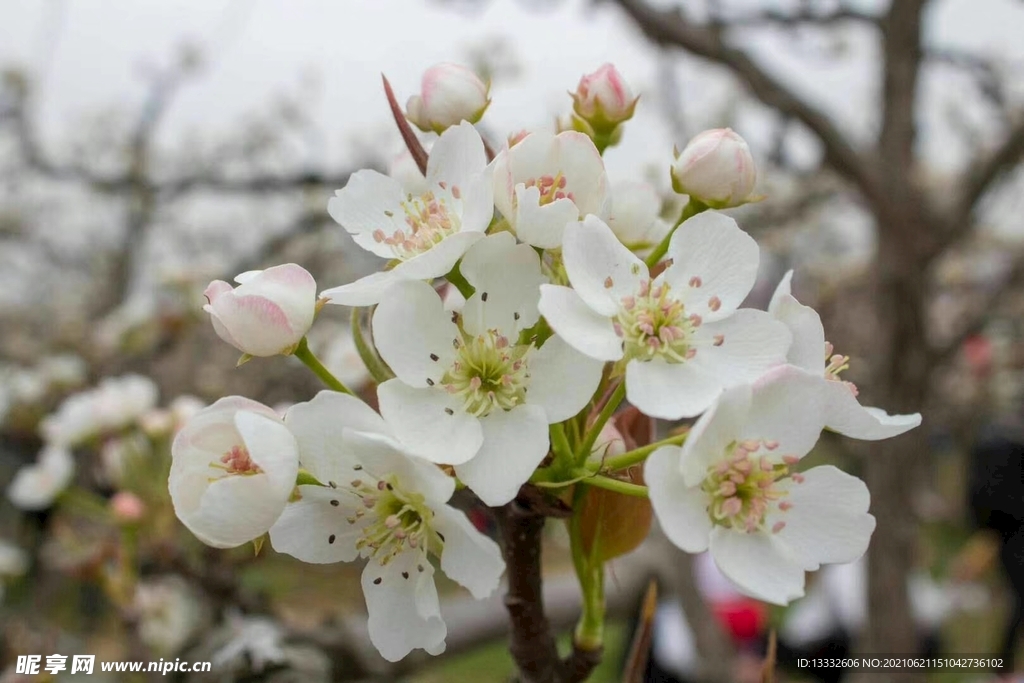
<point x="522" y="302"/>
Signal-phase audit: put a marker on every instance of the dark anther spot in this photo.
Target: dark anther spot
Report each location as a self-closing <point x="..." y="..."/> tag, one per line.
<point x="419" y="567"/>
<point x="389" y="214"/>
<point x="455" y="317"/>
<point x="335" y="503"/>
<point x="405" y="575"/>
<point x="483" y="297"/>
<point x="449" y="411"/>
<point x="433" y="357"/>
<point x="390" y="487"/>
<point x="430" y="382"/>
<point x="516" y="315"/>
<point x="376" y="582"/>
<point x="330" y="539"/>
<point x="357" y="467"/>
<point x="332" y="484"/>
<point x="441" y="536"/>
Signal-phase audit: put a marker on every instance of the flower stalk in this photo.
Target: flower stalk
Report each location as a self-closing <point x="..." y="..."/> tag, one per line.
<point x="303" y="353"/>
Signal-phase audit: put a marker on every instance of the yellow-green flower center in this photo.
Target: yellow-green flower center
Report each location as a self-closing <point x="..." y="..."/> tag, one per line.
<point x="489" y="373"/>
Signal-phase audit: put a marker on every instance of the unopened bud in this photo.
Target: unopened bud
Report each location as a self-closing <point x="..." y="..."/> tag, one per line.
<point x="126" y="507"/>
<point x="603" y="99"/>
<point x="449" y="95"/>
<point x="716" y="169"/>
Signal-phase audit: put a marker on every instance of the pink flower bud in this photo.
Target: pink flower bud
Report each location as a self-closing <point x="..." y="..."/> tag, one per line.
<point x="603" y="99"/>
<point x="127" y="507"/>
<point x="716" y="168"/>
<point x="268" y="313"/>
<point x="450" y="94"/>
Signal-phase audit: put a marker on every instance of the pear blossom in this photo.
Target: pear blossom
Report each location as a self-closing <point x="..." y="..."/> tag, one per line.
<point x="268" y="313"/>
<point x="403" y="168"/>
<point x="733" y="488"/>
<point x="371" y="500"/>
<point x="468" y="392"/>
<point x="603" y="99"/>
<point x="634" y="215"/>
<point x="681" y="335"/>
<point x="716" y="168"/>
<point x="427" y="234"/>
<point x="36" y="486"/>
<point x="810" y="352"/>
<point x="449" y="94"/>
<point x="111" y="406"/>
<point x="233" y="468"/>
<point x="545" y="181"/>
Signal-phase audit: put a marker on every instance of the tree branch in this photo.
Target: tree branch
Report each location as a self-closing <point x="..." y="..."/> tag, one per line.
<point x="530" y="641"/>
<point x="1013" y="281"/>
<point x="902" y="53"/>
<point x="988" y="168"/>
<point x="802" y="17"/>
<point x="671" y="27"/>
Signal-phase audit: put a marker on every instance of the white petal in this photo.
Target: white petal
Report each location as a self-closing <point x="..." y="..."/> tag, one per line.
<point x="404" y="613"/>
<point x="682" y="510"/>
<point x="600" y="268"/>
<point x="562" y="380"/>
<point x="273" y="447"/>
<point x="757" y="565"/>
<point x="714" y="431"/>
<point x="439" y="259"/>
<point x="711" y="247"/>
<point x="752" y="343"/>
<point x="580" y="163"/>
<point x="315" y="531"/>
<point x="542" y="226"/>
<point x="783" y="289"/>
<point x="469" y="557"/>
<point x="36" y="486"/>
<point x="366" y="291"/>
<point x="359" y="207"/>
<point x="422" y="423"/>
<point x="510" y="275"/>
<point x="457" y="157"/>
<point x="234" y="510"/>
<point x="808" y="348"/>
<point x="318" y="426"/>
<point x="413" y="333"/>
<point x="478" y="203"/>
<point x="670" y="390"/>
<point x="829" y="521"/>
<point x="845" y="415"/>
<point x="787" y="407"/>
<point x="514" y="444"/>
<point x="382" y="456"/>
<point x="634" y="211"/>
<point x="579" y="325"/>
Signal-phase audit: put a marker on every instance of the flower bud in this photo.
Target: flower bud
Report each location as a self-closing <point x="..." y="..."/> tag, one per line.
<point x="126" y="507"/>
<point x="268" y="313"/>
<point x="603" y="99"/>
<point x="716" y="169"/>
<point x="450" y="94"/>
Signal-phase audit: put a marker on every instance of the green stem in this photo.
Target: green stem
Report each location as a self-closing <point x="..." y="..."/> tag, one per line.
<point x="313" y="363"/>
<point x="609" y="408"/>
<point x="589" y="633"/>
<point x="560" y="444"/>
<point x="616" y="485"/>
<point x="692" y="208"/>
<point x="629" y="458"/>
<point x="461" y="283"/>
<point x="371" y="359"/>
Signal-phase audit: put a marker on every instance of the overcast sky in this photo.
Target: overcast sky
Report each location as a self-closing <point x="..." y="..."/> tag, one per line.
<point x="91" y="53"/>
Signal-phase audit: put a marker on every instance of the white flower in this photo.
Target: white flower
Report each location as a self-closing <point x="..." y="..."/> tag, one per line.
<point x="680" y="335"/>
<point x="428" y="233"/>
<point x="13" y="560"/>
<point x="466" y="392"/>
<point x="36" y="486"/>
<point x="375" y="502"/>
<point x="545" y="181"/>
<point x="113" y="405"/>
<point x="268" y="313"/>
<point x="260" y="639"/>
<point x="403" y="168"/>
<point x="171" y="612"/>
<point x="449" y="94"/>
<point x="634" y="215"/>
<point x="234" y="466"/>
<point x="732" y="488"/>
<point x="810" y="352"/>
<point x="715" y="168"/>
